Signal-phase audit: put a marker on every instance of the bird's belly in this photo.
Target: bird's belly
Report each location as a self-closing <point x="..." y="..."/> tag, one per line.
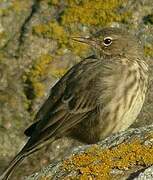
<point x="126" y="116"/>
<point x="130" y="115"/>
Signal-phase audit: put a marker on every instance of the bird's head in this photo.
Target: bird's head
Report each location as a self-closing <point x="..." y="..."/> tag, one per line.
<point x="112" y="42"/>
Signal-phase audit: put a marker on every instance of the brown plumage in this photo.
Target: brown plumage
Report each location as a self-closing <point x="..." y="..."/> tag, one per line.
<point x="101" y="95"/>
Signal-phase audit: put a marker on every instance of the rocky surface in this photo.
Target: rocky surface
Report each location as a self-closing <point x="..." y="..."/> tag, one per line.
<point x="36" y="50"/>
<point x="147" y="174"/>
<point x="127" y="155"/>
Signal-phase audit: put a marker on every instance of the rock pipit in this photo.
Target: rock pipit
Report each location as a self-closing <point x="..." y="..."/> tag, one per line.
<point x="101" y="95"/>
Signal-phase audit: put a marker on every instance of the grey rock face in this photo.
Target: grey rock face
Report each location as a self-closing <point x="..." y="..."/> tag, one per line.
<point x="146" y="175"/>
<point x="127" y="155"/>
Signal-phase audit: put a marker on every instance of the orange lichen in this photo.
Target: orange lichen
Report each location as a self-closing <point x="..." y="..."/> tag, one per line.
<point x="99" y="162"/>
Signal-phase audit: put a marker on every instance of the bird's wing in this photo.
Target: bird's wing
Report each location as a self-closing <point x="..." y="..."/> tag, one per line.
<point x="70" y="101"/>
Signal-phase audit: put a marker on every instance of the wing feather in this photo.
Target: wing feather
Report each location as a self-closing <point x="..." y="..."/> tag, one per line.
<point x="70" y="101"/>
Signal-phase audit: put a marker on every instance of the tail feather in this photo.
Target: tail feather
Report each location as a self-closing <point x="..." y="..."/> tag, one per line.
<point x="12" y="166"/>
<point x="29" y="148"/>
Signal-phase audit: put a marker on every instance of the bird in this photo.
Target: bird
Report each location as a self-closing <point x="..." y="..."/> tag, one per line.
<point x="100" y="95"/>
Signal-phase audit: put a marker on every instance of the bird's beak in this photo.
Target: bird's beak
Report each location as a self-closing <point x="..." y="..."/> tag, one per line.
<point x="87" y="40"/>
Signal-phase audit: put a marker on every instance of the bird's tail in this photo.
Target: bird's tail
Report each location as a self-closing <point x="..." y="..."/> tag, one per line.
<point x="12" y="166"/>
<point x="28" y="149"/>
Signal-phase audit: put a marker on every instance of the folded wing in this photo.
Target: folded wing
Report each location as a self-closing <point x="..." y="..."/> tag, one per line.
<point x="70" y="101"/>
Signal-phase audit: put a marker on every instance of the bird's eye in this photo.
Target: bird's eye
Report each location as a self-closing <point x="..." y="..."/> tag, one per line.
<point x="107" y="41"/>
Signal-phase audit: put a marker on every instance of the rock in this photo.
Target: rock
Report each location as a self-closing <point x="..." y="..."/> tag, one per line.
<point x="146" y="175"/>
<point x="13" y="102"/>
<point x="126" y="155"/>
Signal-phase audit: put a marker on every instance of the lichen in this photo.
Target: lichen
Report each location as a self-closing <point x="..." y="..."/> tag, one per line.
<point x="77" y="16"/>
<point x="93" y="12"/>
<point x="51" y="30"/>
<point x="18" y="6"/>
<point x="37" y="72"/>
<point x="42" y="68"/>
<point x="98" y="163"/>
<point x="75" y="20"/>
<point x="3" y="38"/>
<point x="45" y="178"/>
<point x="148" y="50"/>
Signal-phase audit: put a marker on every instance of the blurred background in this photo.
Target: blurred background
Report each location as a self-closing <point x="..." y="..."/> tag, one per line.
<point x="36" y="49"/>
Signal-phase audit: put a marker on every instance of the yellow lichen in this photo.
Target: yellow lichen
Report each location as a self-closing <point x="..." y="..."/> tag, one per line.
<point x="93" y="12"/>
<point x="99" y="162"/>
<point x="148" y="50"/>
<point x="37" y="72"/>
<point x="56" y="31"/>
<point x="79" y="48"/>
<point x="18" y="5"/>
<point x="55" y="2"/>
<point x="45" y="178"/>
<point x="79" y="15"/>
<point x="3" y="37"/>
<point x="40" y="67"/>
<point x="75" y="20"/>
<point x="43" y="67"/>
<point x="58" y="72"/>
<point x="52" y="30"/>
